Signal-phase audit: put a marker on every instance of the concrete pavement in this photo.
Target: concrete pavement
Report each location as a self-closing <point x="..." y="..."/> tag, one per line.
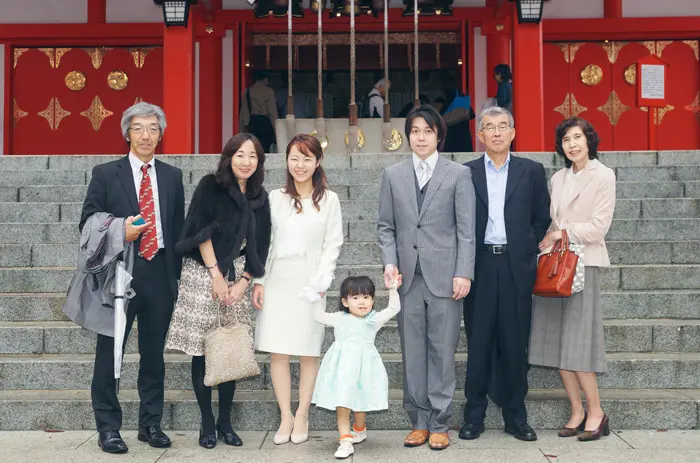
<point x="638" y="446"/>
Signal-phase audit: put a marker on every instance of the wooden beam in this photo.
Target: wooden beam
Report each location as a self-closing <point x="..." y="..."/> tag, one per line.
<point x="97" y="11"/>
<point x="620" y="28"/>
<point x="82" y="34"/>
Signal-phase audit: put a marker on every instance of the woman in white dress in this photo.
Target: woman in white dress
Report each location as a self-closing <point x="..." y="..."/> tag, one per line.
<point x="307" y="234"/>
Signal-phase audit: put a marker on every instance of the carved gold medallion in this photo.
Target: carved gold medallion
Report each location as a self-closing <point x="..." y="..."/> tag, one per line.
<point x="323" y="141"/>
<point x="591" y="75"/>
<point x="75" y="80"/>
<point x="360" y="139"/>
<point x="117" y="80"/>
<point x="394" y="142"/>
<point x="631" y="74"/>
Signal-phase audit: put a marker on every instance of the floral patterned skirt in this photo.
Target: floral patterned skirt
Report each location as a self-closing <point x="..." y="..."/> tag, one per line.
<point x="195" y="311"/>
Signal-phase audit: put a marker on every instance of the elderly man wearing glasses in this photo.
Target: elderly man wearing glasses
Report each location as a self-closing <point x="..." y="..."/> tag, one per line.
<point x="512" y="216"/>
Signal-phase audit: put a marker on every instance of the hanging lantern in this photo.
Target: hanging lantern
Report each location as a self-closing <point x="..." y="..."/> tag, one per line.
<point x="343" y="8"/>
<point x="175" y="12"/>
<point x="529" y="11"/>
<point x="429" y="7"/>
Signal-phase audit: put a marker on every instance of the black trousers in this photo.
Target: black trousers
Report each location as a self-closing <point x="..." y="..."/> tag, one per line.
<point x="153" y="305"/>
<point x="497" y="321"/>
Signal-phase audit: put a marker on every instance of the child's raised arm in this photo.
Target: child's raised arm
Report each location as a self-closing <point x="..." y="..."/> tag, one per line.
<point x="392" y="309"/>
<point x="324" y="318"/>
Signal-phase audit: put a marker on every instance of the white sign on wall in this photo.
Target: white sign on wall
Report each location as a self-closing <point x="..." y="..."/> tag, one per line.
<point x="653" y="81"/>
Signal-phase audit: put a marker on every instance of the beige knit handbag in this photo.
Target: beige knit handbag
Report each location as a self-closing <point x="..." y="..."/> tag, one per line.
<point x="229" y="353"/>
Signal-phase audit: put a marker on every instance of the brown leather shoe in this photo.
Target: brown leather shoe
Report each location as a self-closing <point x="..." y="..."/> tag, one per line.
<point x="439" y="440"/>
<point x="416" y="438"/>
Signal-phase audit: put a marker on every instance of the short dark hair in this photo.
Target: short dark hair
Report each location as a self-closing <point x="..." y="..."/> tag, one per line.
<point x="503" y="70"/>
<point x="260" y="75"/>
<point x="224" y="174"/>
<point x="588" y="130"/>
<point x="432" y="118"/>
<point x="355" y="286"/>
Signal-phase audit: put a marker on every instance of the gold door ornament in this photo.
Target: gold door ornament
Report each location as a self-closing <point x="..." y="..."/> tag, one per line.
<point x="591" y="75"/>
<point x="139" y="99"/>
<point x="324" y="141"/>
<point x="139" y="55"/>
<point x="75" y="80"/>
<point x="54" y="113"/>
<point x="658" y="113"/>
<point x="613" y="50"/>
<point x="59" y="54"/>
<point x="96" y="55"/>
<point x="117" y="80"/>
<point x="96" y="113"/>
<point x="17" y="113"/>
<point x="613" y="108"/>
<point x="50" y="54"/>
<point x="694" y="106"/>
<point x="631" y="74"/>
<point x="570" y="107"/>
<point x="18" y="52"/>
<point x="693" y="44"/>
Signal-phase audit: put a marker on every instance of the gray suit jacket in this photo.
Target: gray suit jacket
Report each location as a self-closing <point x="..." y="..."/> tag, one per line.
<point x="441" y="234"/>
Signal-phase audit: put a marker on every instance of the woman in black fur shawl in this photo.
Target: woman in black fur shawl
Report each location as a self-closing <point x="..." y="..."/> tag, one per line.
<point x="224" y="242"/>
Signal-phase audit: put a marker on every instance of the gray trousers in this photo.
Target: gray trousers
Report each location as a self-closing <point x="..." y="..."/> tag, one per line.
<point x="429" y="327"/>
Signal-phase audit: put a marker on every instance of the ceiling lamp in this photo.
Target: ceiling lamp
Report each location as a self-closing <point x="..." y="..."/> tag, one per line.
<point x="529" y="11"/>
<point x="175" y="12"/>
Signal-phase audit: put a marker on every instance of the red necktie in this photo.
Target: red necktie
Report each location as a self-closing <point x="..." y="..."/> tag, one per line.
<point x="149" y="238"/>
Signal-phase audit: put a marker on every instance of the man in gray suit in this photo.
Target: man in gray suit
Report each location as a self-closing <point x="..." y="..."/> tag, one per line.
<point x="426" y="233"/>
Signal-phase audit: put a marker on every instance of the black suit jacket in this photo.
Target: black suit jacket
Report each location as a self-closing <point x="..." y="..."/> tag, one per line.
<point x="112" y="190"/>
<point x="526" y="215"/>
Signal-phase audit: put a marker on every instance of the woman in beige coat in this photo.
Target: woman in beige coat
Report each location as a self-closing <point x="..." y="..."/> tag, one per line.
<point x="567" y="333"/>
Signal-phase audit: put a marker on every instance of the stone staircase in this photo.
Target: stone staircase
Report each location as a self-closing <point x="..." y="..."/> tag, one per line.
<point x="651" y="299"/>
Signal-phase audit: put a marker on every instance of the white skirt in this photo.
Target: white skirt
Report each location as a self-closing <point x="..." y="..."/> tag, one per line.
<point x="286" y="325"/>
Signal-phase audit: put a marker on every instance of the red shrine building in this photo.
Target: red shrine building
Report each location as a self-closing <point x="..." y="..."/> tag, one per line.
<point x="71" y="67"/>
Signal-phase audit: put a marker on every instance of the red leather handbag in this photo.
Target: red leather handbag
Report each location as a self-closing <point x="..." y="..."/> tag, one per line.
<point x="556" y="270"/>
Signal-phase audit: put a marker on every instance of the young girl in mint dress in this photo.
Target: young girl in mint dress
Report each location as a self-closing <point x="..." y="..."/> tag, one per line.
<point x="352" y="377"/>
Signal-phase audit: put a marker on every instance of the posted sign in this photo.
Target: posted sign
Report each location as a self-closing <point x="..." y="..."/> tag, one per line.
<point x="651" y="82"/>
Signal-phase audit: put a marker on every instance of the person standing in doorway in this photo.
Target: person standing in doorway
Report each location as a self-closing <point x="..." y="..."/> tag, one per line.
<point x="259" y="110"/>
<point x="137" y="185"/>
<point x="512" y="217"/>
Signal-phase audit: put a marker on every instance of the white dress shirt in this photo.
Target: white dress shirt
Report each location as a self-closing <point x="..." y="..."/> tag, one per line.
<point x="496" y="181"/>
<point x="136" y="164"/>
<point x="431" y="160"/>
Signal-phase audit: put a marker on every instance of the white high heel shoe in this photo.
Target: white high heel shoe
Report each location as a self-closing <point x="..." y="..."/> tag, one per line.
<point x="300" y="438"/>
<point x="283" y="437"/>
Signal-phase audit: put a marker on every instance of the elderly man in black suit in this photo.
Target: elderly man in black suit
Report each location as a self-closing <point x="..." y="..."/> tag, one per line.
<point x="139" y="186"/>
<point x="512" y="216"/>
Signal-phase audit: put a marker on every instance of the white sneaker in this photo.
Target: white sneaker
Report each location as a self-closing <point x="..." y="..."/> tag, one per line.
<point x="358" y="436"/>
<point x="345" y="449"/>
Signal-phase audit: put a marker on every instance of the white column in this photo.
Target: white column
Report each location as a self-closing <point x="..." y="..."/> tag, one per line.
<point x="227" y="88"/>
<point x="2" y="101"/>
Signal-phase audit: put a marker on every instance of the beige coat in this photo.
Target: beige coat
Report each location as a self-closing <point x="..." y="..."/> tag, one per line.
<point x="588" y="214"/>
<point x="262" y="99"/>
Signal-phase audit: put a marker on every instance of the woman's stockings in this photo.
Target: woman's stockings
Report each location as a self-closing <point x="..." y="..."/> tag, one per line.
<point x="203" y="394"/>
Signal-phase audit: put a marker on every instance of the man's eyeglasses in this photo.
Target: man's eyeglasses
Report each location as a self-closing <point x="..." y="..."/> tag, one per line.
<point x="491" y="128"/>
<point x="138" y="130"/>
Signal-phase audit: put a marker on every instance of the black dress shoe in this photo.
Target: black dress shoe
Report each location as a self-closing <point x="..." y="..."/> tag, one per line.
<point x="471" y="431"/>
<point x="154" y="436"/>
<point x="523" y="432"/>
<point x="111" y="442"/>
<point x="230" y="438"/>
<point x="208" y="441"/>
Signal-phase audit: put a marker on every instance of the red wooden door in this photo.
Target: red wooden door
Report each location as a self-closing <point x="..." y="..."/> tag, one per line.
<point x="632" y="129"/>
<point x="557" y="97"/>
<point x="75" y="97"/>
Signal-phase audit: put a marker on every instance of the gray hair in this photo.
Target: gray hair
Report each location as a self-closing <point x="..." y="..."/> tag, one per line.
<point x="382" y="83"/>
<point x="143" y="109"/>
<point x="493" y="111"/>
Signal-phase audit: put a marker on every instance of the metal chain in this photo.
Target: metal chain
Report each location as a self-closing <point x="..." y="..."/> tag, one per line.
<point x="415" y="55"/>
<point x="320" y="50"/>
<point x="352" y="52"/>
<point x="289" y="47"/>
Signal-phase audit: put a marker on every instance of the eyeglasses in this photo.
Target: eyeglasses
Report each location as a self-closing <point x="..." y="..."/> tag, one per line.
<point x="138" y="130"/>
<point x="502" y="128"/>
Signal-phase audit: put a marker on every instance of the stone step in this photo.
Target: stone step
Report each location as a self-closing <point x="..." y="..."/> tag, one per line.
<point x="669" y="230"/>
<point x="653" y="335"/>
<point x="258" y="410"/>
<point x="677" y="305"/>
<point x="621" y="230"/>
<point x="625" y="370"/>
<point x="357" y="210"/>
<point x="353" y="253"/>
<point x="618" y="277"/>
<point x="48" y="192"/>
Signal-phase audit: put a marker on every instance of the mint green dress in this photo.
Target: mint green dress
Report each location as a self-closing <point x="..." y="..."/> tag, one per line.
<point x="352" y="373"/>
